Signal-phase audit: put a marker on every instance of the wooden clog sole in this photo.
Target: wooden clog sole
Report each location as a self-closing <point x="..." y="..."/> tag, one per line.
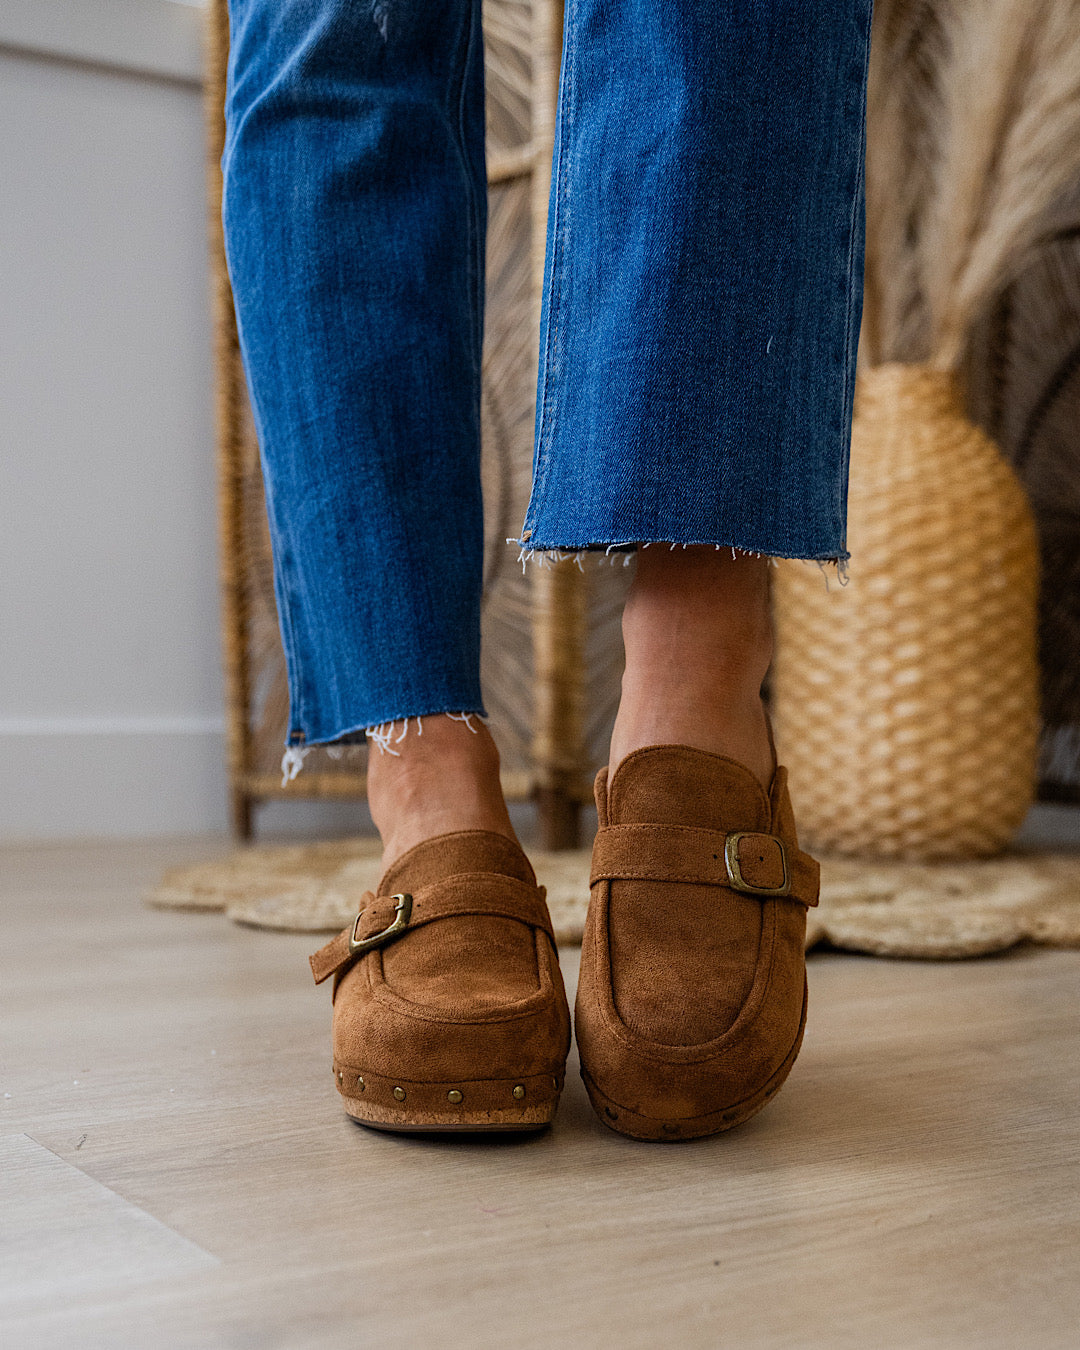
<point x="401" y="1105"/>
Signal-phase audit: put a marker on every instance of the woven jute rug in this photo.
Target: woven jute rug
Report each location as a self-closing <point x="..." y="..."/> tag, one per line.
<point x="941" y="910"/>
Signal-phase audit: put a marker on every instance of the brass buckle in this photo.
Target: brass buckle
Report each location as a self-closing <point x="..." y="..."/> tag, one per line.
<point x="402" y="914"/>
<point x="734" y="868"/>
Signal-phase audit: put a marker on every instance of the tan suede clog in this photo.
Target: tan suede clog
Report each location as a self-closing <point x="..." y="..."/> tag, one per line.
<point x="692" y="996"/>
<point x="449" y="1006"/>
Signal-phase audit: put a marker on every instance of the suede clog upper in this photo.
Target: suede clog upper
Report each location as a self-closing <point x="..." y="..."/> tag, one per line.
<point x="692" y="994"/>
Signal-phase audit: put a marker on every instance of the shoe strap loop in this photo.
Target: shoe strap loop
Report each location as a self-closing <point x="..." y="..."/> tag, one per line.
<point x="752" y="862"/>
<point x="380" y="918"/>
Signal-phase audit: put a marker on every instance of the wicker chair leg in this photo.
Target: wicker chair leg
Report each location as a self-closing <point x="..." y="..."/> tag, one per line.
<point x="559" y="818"/>
<point x="240" y="814"/>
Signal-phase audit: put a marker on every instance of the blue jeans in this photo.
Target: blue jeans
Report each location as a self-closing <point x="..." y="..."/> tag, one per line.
<point x="701" y="309"/>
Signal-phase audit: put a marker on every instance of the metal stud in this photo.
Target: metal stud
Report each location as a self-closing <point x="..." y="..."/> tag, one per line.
<point x="360" y="1083"/>
<point x="519" y="1092"/>
<point x="399" y="1094"/>
<point x="453" y="1096"/>
<point x="341" y="1077"/>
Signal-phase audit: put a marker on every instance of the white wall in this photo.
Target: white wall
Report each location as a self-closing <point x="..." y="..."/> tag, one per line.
<point x="110" y="691"/>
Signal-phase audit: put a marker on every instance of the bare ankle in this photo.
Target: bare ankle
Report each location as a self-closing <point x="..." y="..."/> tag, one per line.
<point x="704" y="606"/>
<point x="698" y="645"/>
<point x="441" y="779"/>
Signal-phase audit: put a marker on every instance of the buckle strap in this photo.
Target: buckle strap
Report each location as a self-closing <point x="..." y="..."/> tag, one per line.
<point x="384" y="918"/>
<point x="749" y="861"/>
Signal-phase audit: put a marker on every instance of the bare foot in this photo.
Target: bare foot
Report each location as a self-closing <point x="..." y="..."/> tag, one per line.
<point x="443" y="779"/>
<point x="698" y="645"/>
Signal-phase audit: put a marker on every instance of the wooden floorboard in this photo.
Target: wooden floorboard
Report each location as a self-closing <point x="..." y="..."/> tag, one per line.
<point x="916" y="1184"/>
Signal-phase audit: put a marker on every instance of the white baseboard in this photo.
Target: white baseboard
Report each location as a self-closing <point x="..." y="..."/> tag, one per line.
<point x="112" y="777"/>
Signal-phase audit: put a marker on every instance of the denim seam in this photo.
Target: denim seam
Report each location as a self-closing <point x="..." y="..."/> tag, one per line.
<point x="561" y="210"/>
<point x="456" y="95"/>
<point x="850" y="337"/>
<point x="297" y="718"/>
<point x="296" y="735"/>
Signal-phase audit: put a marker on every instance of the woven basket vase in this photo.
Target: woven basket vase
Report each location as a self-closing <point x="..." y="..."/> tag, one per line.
<point x="906" y="702"/>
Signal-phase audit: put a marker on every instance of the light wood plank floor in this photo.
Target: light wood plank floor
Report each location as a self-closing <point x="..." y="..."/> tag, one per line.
<point x="172" y="1150"/>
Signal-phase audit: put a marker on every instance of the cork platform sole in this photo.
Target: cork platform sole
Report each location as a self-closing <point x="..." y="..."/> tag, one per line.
<point x="402" y="1105"/>
<point x="638" y="1126"/>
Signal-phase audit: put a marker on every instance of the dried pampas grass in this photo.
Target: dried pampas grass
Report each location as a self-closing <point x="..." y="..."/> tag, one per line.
<point x="974" y="135"/>
<point x="903" y="118"/>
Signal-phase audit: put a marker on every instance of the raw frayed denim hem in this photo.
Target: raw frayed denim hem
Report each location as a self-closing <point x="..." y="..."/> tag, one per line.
<point x="547" y="555"/>
<point x="382" y="734"/>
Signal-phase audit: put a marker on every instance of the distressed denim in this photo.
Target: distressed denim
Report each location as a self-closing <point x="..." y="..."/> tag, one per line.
<point x="701" y="308"/>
